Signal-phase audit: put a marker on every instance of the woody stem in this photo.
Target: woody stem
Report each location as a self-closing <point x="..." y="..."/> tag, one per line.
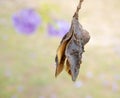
<point x="78" y="8"/>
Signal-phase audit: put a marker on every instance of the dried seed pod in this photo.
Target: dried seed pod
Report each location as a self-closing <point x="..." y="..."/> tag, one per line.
<point x="60" y="57"/>
<point x="74" y="49"/>
<point x="71" y="48"/>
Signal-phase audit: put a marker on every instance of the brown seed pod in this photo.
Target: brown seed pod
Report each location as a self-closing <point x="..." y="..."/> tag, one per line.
<point x="71" y="48"/>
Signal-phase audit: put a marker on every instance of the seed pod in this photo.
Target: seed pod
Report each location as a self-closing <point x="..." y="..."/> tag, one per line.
<point x="71" y="48"/>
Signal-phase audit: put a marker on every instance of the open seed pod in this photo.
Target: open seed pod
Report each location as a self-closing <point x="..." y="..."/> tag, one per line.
<point x="71" y="48"/>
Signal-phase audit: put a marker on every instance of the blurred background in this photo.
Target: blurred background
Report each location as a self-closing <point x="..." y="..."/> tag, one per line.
<point x="30" y="32"/>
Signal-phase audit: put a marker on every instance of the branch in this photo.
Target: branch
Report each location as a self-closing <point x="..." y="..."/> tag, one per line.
<point x="77" y="10"/>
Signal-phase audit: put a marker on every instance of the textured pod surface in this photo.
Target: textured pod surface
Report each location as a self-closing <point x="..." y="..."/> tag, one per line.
<point x="71" y="48"/>
<point x="74" y="49"/>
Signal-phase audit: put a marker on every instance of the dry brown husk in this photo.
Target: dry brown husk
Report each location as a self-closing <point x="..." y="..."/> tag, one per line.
<point x="71" y="48"/>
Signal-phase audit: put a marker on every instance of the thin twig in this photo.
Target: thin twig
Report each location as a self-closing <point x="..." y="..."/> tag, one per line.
<point x="78" y="8"/>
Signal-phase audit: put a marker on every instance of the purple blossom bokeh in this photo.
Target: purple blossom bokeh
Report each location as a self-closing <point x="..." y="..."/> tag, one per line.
<point x="26" y="21"/>
<point x="59" y="28"/>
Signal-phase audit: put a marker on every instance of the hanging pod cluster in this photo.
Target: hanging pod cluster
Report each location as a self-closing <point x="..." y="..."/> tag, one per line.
<point x="71" y="48"/>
